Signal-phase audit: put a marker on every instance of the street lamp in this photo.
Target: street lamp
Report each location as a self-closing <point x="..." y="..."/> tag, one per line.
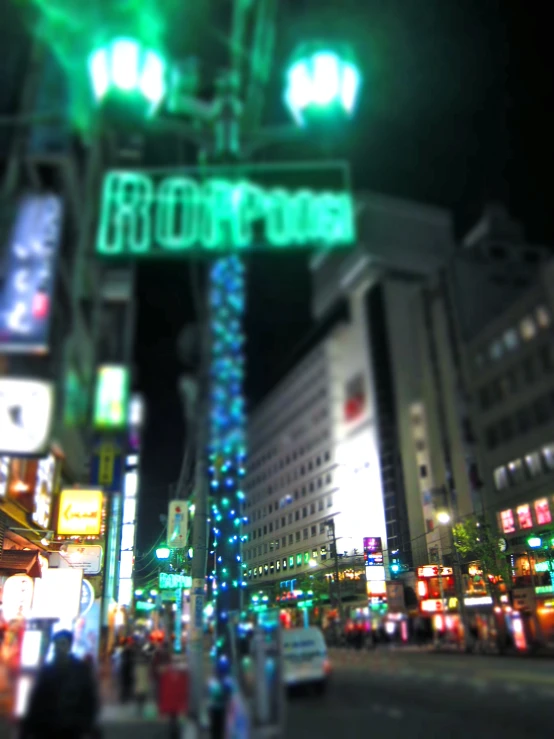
<point x="322" y="82"/>
<point x="125" y="69"/>
<point x="443" y="517"/>
<point x="163" y="553"/>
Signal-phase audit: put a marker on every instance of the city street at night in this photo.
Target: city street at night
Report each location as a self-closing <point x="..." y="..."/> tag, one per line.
<point x="426" y="695"/>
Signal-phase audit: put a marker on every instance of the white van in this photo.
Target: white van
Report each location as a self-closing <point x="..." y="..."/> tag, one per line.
<point x="306" y="661"/>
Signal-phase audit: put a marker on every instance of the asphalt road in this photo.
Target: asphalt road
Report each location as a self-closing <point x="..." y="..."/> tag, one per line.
<point x="412" y="694"/>
<point x="428" y="695"/>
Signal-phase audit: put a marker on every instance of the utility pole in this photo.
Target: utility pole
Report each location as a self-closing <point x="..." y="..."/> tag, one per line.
<point x="331" y="530"/>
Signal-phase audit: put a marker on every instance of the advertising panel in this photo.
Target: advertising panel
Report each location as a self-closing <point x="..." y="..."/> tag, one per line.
<point x="80" y="512"/>
<point x="373" y="551"/>
<point x="85" y="557"/>
<point x="26" y="296"/>
<point x="177" y="524"/>
<point x="112" y="397"/>
<point x="44" y="490"/>
<point x="17" y="597"/>
<point x="58" y="594"/>
<point x="26" y="412"/>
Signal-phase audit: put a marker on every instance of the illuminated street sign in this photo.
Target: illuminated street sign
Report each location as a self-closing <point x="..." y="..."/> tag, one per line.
<point x="147" y="215"/>
<point x="112" y="397"/>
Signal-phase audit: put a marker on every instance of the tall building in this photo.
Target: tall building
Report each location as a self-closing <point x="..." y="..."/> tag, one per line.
<point x="486" y="277"/>
<point x="326" y="443"/>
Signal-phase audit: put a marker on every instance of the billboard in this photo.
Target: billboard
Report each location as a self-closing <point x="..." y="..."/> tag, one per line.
<point x="26" y="414"/>
<point x="80" y="512"/>
<point x="177" y="522"/>
<point x="26" y="295"/>
<point x="111" y="399"/>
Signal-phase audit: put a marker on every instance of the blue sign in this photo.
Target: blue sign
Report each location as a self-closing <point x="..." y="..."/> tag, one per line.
<point x="26" y="297"/>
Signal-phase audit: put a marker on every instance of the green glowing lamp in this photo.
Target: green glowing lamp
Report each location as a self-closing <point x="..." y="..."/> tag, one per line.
<point x="163" y="553"/>
<point x="535" y="542"/>
<point x="322" y="83"/>
<point x="126" y="70"/>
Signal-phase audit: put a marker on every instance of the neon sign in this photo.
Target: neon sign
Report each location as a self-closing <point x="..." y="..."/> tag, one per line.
<point x="25" y="299"/>
<point x="146" y="216"/>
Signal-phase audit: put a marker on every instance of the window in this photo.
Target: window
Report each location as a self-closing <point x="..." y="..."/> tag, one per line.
<point x="423" y="471"/>
<point x="541" y="409"/>
<point x="527" y="328"/>
<point x="321" y="528"/>
<point x="327" y="456"/>
<point x="524" y="516"/>
<point x="297" y="536"/>
<point x="515" y="470"/>
<point x="491" y="436"/>
<point x="278" y="565"/>
<point x="523" y="420"/>
<point x="420" y="445"/>
<point x="291" y="562"/>
<point x="305" y="534"/>
<point x="501" y="479"/>
<point x="548" y="456"/>
<point x="319" y="483"/>
<point x="320" y="505"/>
<point x="328" y="479"/>
<point x="314" y="553"/>
<point x="313" y="531"/>
<point x="299" y="560"/>
<point x="330" y="501"/>
<point x="284" y="564"/>
<point x="284" y="541"/>
<point x="291" y="539"/>
<point x="312" y="509"/>
<point x="304" y="512"/>
<point x="542" y="511"/>
<point x="511" y="339"/>
<point x="297" y="515"/>
<point x="542" y="314"/>
<point x="506" y="428"/>
<point x="496" y="350"/>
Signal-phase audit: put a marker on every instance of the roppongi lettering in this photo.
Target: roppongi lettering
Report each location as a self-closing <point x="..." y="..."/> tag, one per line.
<point x="180" y="214"/>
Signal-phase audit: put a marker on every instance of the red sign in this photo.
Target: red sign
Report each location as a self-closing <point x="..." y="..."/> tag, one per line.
<point x="434" y="571"/>
<point x="173" y="694"/>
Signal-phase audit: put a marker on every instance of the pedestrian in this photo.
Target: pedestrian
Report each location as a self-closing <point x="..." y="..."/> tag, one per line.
<point x="127" y="671"/>
<point x="142" y="681"/>
<point x="64" y="701"/>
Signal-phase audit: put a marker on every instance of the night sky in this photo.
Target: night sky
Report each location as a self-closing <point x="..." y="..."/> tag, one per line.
<point x="456" y="110"/>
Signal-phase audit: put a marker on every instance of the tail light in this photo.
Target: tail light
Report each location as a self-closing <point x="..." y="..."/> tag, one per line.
<point x="327" y="667"/>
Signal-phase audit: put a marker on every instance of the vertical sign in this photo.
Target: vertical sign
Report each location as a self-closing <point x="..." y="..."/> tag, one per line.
<point x="177" y="523"/>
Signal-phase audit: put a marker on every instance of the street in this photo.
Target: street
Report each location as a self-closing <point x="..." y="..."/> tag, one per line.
<point x="409" y="693"/>
<point x="422" y="695"/>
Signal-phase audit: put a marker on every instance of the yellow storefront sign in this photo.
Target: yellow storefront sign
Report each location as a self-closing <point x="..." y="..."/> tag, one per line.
<point x="80" y="512"/>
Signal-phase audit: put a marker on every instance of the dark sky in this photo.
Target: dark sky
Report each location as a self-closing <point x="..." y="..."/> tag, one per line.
<point x="456" y="110"/>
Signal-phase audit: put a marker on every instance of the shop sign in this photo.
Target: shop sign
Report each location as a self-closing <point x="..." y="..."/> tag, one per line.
<point x="432" y="606"/>
<point x="17" y="597"/>
<point x="484" y="600"/>
<point x="177" y="524"/>
<point x="80" y="512"/>
<point x="111" y="397"/>
<point x="46" y="474"/>
<point x="172" y="581"/>
<point x="434" y="571"/>
<point x="87" y="558"/>
<point x="26" y="413"/>
<point x="523" y="599"/>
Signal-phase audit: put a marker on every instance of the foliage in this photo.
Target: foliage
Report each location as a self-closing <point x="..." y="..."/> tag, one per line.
<point x="475" y="540"/>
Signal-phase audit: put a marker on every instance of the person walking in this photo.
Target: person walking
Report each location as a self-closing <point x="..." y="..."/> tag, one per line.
<point x="127" y="671"/>
<point x="64" y="702"/>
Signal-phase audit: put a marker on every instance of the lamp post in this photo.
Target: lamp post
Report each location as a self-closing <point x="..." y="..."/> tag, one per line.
<point x="319" y="81"/>
<point x="331" y="533"/>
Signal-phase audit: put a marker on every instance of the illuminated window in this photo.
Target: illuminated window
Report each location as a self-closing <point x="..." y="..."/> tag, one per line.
<point x="291" y="562"/>
<point x="524" y="516"/>
<point x="299" y="560"/>
<point x="511" y="339"/>
<point x="314" y="553"/>
<point x="516" y="472"/>
<point x="527" y="328"/>
<point x="542" y="511"/>
<point x="278" y="565"/>
<point x="533" y="464"/>
<point x="507" y="522"/>
<point x="306" y="558"/>
<point x="284" y="564"/>
<point x="548" y="456"/>
<point x="542" y="314"/>
<point x="501" y="479"/>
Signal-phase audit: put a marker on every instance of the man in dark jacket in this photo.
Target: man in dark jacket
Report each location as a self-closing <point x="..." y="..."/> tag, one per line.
<point x="64" y="701"/>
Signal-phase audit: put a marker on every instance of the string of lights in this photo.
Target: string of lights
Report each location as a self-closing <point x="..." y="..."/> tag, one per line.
<point x="227" y="446"/>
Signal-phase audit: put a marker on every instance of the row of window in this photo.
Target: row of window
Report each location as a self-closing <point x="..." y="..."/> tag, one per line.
<point x="287" y="500"/>
<point x="531" y="416"/>
<point x="282" y="521"/>
<point x="517" y="378"/>
<point x="285" y="479"/>
<point x="533" y="465"/>
<point x="284" y="541"/>
<point x="527" y="329"/>
<point x="299" y="560"/>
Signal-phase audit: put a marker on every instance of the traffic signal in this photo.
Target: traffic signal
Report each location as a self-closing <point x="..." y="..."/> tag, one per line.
<point x="395" y="567"/>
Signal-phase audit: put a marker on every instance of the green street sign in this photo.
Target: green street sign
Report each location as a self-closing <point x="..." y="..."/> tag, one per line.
<point x="172" y="581"/>
<point x="152" y="214"/>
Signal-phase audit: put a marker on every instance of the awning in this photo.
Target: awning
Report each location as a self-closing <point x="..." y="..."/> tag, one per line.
<point x="17" y="561"/>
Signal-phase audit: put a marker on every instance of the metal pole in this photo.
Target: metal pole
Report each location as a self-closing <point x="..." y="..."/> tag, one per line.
<point x="195" y="645"/>
<point x="336" y="557"/>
